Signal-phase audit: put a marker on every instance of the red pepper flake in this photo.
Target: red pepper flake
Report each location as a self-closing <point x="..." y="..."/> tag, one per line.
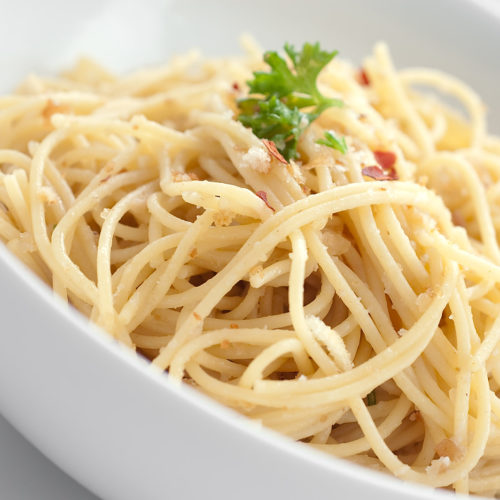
<point x="363" y="77"/>
<point x="273" y="151"/>
<point x="225" y="344"/>
<point x="263" y="196"/>
<point x="233" y="326"/>
<point x="386" y="159"/>
<point x="236" y="86"/>
<point x="196" y="316"/>
<point x="378" y="174"/>
<point x="51" y="108"/>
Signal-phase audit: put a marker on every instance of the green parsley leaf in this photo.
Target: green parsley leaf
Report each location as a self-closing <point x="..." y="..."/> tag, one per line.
<point x="280" y="81"/>
<point x="308" y="65"/>
<point x="283" y="92"/>
<point x="274" y="120"/>
<point x="371" y="398"/>
<point x="332" y="142"/>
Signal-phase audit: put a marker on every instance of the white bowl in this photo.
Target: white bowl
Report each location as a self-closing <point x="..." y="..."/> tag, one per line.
<point x="93" y="408"/>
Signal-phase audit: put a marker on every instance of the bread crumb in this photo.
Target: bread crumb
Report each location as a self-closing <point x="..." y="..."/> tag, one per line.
<point x="48" y="195"/>
<point x="183" y="176"/>
<point x="257" y="159"/>
<point x="223" y="217"/>
<point x="414" y="416"/>
<point x="449" y="448"/>
<point x="438" y="466"/>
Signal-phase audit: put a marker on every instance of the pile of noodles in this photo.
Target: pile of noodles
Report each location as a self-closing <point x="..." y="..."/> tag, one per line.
<point x="347" y="303"/>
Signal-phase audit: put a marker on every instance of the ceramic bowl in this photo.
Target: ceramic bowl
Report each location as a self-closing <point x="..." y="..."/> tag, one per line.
<point x="96" y="410"/>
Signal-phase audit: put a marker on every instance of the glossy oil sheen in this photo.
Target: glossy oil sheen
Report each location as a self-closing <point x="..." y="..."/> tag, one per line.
<point x="93" y="408"/>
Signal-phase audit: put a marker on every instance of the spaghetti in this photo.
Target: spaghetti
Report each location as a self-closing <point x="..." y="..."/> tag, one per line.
<point x="321" y="296"/>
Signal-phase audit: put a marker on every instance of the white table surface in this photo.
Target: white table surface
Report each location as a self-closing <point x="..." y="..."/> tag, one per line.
<point x="25" y="474"/>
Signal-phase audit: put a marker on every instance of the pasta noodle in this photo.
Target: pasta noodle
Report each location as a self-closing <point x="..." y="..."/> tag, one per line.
<point x="348" y="310"/>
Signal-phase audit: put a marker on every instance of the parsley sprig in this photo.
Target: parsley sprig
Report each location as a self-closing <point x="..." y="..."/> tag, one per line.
<point x="333" y="142"/>
<point x="285" y="100"/>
